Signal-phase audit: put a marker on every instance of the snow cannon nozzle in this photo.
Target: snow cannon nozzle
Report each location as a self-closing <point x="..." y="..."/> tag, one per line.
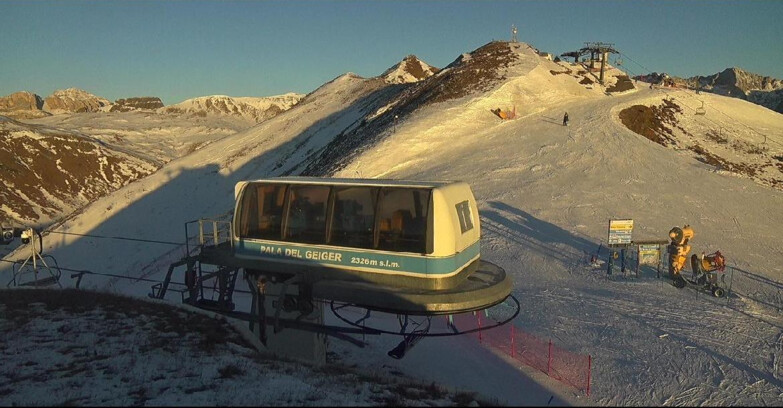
<point x="680" y="236"/>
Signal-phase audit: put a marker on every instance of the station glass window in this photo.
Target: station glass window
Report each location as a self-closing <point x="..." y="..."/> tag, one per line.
<point x="307" y="214"/>
<point x="465" y="216"/>
<point x="262" y="211"/>
<point x="353" y="220"/>
<point x="402" y="224"/>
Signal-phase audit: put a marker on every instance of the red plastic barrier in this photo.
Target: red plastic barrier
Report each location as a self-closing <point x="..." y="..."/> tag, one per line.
<point x="565" y="366"/>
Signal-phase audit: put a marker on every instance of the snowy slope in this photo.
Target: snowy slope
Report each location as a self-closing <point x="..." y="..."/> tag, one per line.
<point x="202" y="184"/>
<point x="160" y="137"/>
<point x="545" y="194"/>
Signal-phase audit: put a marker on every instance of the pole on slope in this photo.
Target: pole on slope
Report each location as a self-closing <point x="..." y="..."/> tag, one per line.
<point x="589" y="372"/>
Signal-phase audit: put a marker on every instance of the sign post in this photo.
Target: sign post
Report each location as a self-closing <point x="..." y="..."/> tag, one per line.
<point x="619" y="236"/>
<point x="650" y="254"/>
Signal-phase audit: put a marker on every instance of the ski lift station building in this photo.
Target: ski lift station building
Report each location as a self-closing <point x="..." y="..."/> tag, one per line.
<point x="403" y="246"/>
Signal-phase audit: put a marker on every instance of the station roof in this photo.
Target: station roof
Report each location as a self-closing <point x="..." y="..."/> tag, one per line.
<point x="355" y="181"/>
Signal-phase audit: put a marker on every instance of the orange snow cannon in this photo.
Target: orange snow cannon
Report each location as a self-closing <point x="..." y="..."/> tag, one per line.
<point x="678" y="251"/>
<point x="713" y="262"/>
<point x="708" y="271"/>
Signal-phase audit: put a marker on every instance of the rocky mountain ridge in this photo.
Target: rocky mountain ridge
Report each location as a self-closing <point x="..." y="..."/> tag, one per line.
<point x="73" y="100"/>
<point x="254" y="109"/>
<point x="140" y="103"/>
<point x="734" y="82"/>
<point x="27" y="105"/>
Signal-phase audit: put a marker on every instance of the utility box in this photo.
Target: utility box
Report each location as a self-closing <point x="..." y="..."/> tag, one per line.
<point x="303" y="345"/>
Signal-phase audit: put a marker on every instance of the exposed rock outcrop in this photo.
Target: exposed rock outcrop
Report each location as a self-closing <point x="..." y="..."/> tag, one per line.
<point x="51" y="172"/>
<point x="22" y="100"/>
<point x="22" y="105"/>
<point x="410" y="69"/>
<point x="73" y="100"/>
<point x="139" y="103"/>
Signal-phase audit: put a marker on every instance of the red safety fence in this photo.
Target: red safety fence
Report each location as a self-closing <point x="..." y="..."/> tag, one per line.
<point x="565" y="366"/>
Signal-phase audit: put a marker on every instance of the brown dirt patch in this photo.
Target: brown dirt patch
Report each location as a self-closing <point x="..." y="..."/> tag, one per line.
<point x="705" y="156"/>
<point x="586" y="81"/>
<point x="623" y="84"/>
<point x="651" y="122"/>
<point x="716" y="137"/>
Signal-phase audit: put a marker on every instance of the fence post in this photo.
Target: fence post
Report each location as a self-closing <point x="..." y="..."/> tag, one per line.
<point x="187" y="245"/>
<point x="589" y="371"/>
<point x="513" y="343"/>
<point x="478" y="317"/>
<point x="549" y="360"/>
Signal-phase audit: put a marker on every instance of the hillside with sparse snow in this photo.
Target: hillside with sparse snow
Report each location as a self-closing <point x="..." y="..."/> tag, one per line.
<point x="48" y="172"/>
<point x="150" y="136"/>
<point x="253" y="109"/>
<point x="545" y="193"/>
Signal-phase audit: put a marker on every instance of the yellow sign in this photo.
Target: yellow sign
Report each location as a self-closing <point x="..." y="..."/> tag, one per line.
<point x="620" y="231"/>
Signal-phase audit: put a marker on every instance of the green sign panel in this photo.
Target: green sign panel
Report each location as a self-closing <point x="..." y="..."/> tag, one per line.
<point x="649" y="254"/>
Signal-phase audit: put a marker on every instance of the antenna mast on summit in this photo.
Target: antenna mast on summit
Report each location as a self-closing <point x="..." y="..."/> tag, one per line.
<point x="514" y="33"/>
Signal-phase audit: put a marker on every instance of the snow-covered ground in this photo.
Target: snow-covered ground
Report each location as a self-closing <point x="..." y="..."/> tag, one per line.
<point x="546" y="193"/>
<point x="75" y="348"/>
<point x="158" y="136"/>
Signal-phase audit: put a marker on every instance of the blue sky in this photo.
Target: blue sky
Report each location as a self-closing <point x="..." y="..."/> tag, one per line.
<point x="183" y="49"/>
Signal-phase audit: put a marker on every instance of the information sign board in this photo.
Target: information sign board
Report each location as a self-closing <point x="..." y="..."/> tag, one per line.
<point x="649" y="254"/>
<point x="620" y="231"/>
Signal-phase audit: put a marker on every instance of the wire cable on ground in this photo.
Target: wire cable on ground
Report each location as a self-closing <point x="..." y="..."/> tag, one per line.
<point x="115" y="237"/>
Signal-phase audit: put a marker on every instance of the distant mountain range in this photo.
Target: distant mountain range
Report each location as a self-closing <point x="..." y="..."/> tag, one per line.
<point x="735" y="82"/>
<point x="27" y="105"/>
<point x="255" y="109"/>
<point x="60" y="159"/>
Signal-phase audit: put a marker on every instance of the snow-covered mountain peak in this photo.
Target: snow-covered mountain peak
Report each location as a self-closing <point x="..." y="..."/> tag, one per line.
<point x="410" y="69"/>
<point x="251" y="108"/>
<point x="73" y="100"/>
